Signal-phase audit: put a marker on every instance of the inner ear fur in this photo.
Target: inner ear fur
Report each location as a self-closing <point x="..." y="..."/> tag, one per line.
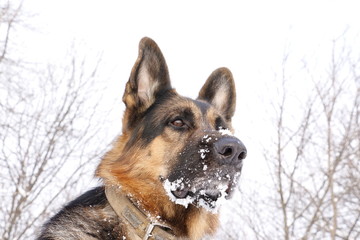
<point x="219" y="91"/>
<point x="149" y="77"/>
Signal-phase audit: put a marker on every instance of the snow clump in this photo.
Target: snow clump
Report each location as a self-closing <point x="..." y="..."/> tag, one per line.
<point x="173" y="186"/>
<point x="213" y="206"/>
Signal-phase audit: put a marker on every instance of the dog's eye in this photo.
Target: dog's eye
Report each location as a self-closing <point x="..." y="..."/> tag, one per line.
<point x="178" y="123"/>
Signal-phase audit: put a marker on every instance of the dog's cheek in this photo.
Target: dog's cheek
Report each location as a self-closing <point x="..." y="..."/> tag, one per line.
<point x="161" y="156"/>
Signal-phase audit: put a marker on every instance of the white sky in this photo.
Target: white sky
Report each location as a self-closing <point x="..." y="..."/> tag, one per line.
<point x="249" y="37"/>
<point x="196" y="37"/>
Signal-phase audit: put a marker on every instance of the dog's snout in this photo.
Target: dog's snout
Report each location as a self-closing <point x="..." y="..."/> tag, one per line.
<point x="230" y="150"/>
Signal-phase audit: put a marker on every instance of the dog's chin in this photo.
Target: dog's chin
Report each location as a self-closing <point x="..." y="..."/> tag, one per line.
<point x="209" y="197"/>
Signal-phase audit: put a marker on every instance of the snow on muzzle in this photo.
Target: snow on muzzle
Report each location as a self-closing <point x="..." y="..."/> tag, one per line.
<point x="209" y="194"/>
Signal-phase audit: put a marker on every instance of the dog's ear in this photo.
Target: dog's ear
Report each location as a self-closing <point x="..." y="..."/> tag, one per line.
<point x="149" y="77"/>
<point x="219" y="91"/>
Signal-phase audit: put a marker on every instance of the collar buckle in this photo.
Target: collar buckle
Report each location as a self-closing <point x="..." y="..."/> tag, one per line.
<point x="149" y="230"/>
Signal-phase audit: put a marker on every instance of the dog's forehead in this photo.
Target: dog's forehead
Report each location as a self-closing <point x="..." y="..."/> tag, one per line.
<point x="203" y="106"/>
<point x="200" y="109"/>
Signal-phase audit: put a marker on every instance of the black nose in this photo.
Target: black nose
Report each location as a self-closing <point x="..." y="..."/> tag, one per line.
<point x="230" y="150"/>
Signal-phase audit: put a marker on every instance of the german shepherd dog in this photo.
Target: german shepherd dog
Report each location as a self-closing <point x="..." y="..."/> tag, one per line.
<point x="174" y="164"/>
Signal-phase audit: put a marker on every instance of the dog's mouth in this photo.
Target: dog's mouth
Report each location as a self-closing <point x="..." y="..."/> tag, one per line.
<point x="209" y="197"/>
<point x="208" y="194"/>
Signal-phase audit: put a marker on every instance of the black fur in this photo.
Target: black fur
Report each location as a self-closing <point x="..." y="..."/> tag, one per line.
<point x="94" y="197"/>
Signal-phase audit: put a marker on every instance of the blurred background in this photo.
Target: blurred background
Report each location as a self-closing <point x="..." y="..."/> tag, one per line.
<point x="64" y="65"/>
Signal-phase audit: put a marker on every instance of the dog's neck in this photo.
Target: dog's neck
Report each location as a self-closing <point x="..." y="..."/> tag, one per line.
<point x="139" y="226"/>
<point x="141" y="223"/>
<point x="189" y="223"/>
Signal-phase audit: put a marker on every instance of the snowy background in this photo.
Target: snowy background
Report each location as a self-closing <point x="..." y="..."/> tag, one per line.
<point x="286" y="57"/>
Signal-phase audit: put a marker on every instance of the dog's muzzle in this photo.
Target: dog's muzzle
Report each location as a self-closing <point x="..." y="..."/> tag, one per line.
<point x="208" y="172"/>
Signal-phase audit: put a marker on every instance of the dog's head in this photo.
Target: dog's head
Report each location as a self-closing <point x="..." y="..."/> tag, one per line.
<point x="175" y="147"/>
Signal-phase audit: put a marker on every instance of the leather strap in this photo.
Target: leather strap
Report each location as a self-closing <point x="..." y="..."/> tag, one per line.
<point x="139" y="226"/>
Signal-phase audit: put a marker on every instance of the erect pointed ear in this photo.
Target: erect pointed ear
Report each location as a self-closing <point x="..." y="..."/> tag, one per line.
<point x="149" y="77"/>
<point x="219" y="91"/>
